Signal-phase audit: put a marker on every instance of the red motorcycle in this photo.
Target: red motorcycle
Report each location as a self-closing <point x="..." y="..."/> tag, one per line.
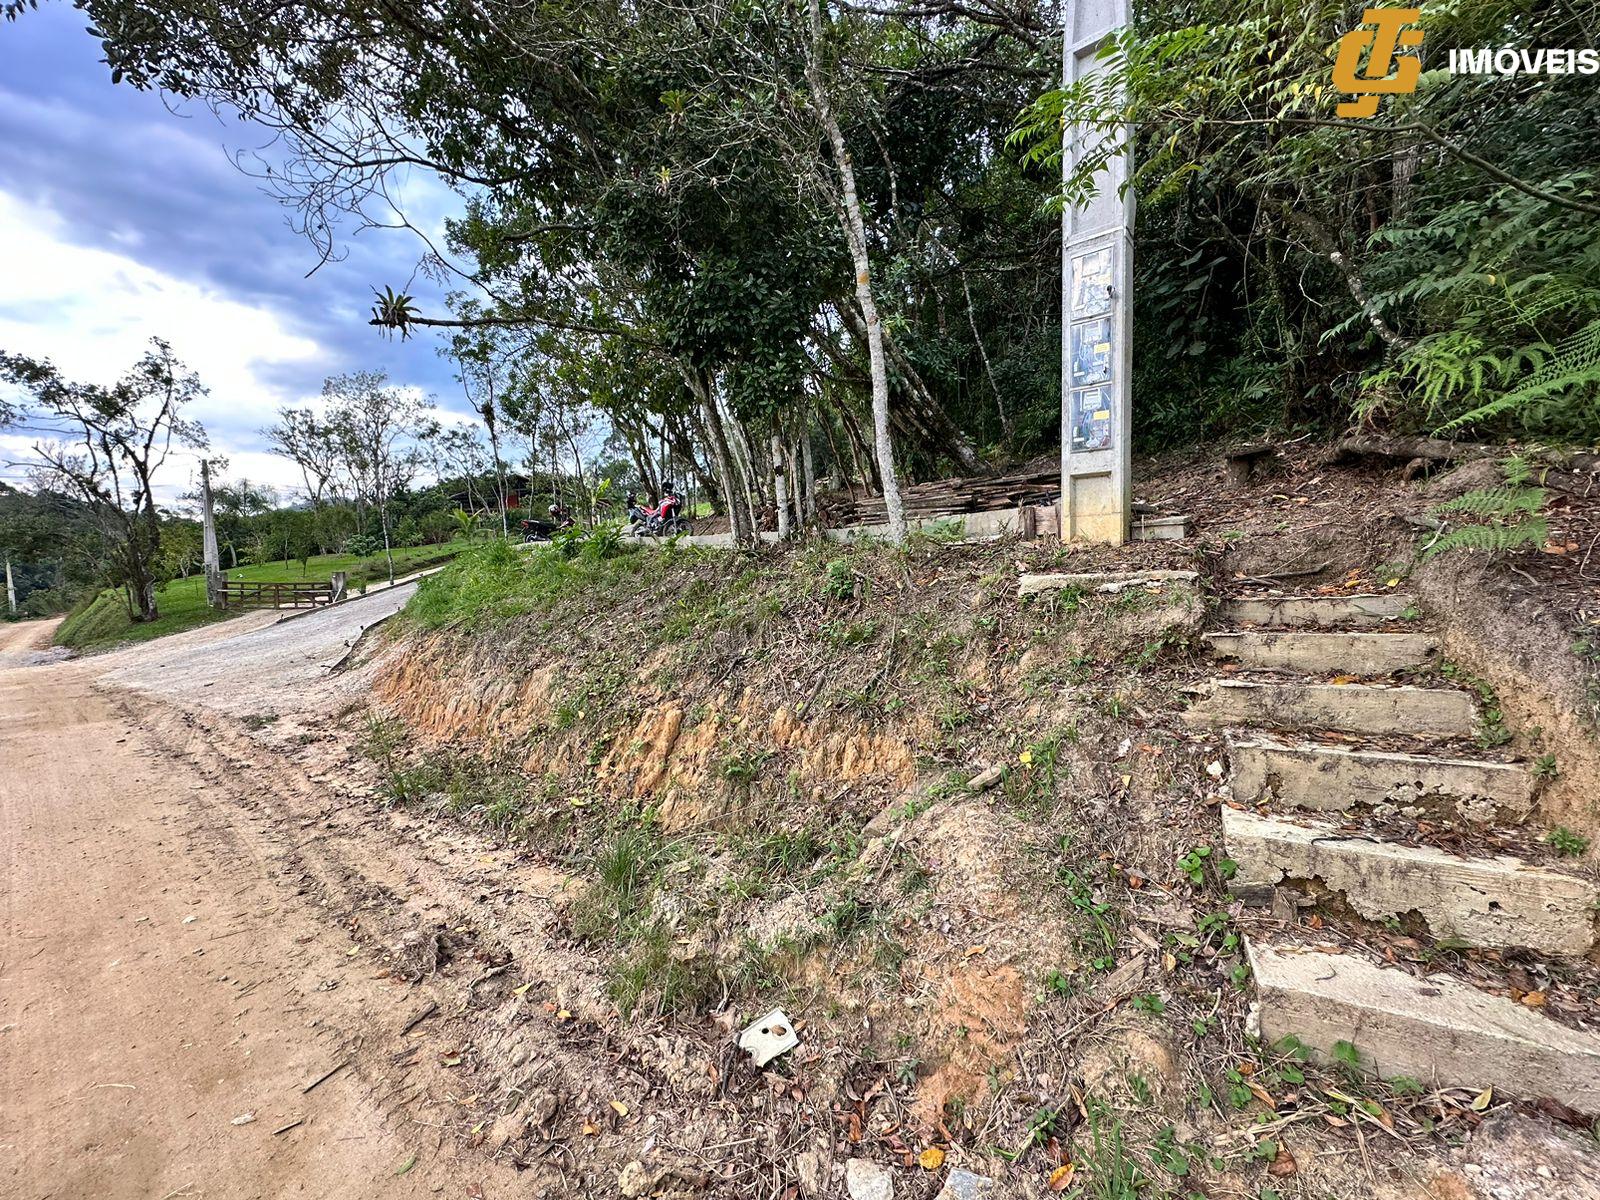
<point x="664" y="520"/>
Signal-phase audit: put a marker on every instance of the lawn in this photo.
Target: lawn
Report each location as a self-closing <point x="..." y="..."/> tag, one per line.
<point x="104" y="622"/>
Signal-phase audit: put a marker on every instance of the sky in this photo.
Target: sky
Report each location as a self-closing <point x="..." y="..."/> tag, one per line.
<point x="122" y="217"/>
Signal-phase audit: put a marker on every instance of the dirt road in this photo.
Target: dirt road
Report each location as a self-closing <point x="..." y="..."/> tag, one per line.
<point x="171" y="977"/>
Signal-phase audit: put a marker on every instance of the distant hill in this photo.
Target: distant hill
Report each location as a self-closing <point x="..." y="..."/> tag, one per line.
<point x="50" y="539"/>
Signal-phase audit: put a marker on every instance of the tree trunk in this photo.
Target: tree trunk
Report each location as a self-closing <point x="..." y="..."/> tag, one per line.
<point x="388" y="551"/>
<point x="1007" y="426"/>
<point x="744" y="463"/>
<point x="865" y="468"/>
<point x="722" y="460"/>
<point x="855" y="231"/>
<point x="809" y="471"/>
<point x="947" y="435"/>
<point x="1323" y="241"/>
<point x="780" y="489"/>
<point x="791" y="463"/>
<point x="499" y="467"/>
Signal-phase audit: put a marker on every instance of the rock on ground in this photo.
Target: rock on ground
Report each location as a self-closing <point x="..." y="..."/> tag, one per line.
<point x="1516" y="1157"/>
<point x="867" y="1180"/>
<point x="965" y="1185"/>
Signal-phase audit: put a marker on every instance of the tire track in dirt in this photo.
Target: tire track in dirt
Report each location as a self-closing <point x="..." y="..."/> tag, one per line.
<point x="476" y="921"/>
<point x="165" y="998"/>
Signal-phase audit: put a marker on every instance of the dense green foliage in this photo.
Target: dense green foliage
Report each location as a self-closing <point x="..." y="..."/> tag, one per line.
<point x="652" y="215"/>
<point x="1436" y="267"/>
<point x="50" y="540"/>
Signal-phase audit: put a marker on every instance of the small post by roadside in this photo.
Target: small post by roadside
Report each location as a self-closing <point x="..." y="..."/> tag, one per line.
<point x="213" y="558"/>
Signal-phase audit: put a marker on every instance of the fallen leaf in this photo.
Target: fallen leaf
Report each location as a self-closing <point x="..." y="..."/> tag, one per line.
<point x="1481" y="1101"/>
<point x="1284" y="1164"/>
<point x="1061" y="1177"/>
<point x="521" y="991"/>
<point x="407" y="1165"/>
<point x="931" y="1159"/>
<point x="618" y="1107"/>
<point x="590" y="1129"/>
<point x="974" y="951"/>
<point x="1261" y="1094"/>
<point x="1534" y="999"/>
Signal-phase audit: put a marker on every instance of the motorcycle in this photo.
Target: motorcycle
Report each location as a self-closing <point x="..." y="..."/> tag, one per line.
<point x="534" y="530"/>
<point x="664" y="520"/>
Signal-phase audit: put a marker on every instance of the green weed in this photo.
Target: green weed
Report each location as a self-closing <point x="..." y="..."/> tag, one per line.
<point x="1564" y="842"/>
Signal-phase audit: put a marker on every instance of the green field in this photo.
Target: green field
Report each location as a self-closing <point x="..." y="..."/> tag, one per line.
<point x="104" y="622"/>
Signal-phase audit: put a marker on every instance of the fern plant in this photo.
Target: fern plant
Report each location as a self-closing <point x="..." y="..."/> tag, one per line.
<point x="1511" y="290"/>
<point x="1510" y="515"/>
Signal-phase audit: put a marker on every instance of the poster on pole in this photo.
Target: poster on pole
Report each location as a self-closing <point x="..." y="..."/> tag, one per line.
<point x="1096" y="287"/>
<point x="1091" y="284"/>
<point x="1091" y="418"/>
<point x="1091" y="351"/>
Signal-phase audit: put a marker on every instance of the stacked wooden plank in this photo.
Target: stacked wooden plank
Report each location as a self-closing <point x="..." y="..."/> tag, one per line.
<point x="949" y="497"/>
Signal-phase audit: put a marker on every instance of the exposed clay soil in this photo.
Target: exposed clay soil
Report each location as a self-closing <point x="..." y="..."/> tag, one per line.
<point x="944" y="972"/>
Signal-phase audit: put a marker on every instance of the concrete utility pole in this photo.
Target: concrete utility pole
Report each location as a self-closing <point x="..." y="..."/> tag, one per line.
<point x="208" y="518"/>
<point x="1096" y="309"/>
<point x="11" y="589"/>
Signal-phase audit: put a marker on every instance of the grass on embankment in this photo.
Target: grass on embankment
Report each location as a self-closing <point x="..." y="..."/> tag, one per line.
<point x="497" y="580"/>
<point x="104" y="622"/>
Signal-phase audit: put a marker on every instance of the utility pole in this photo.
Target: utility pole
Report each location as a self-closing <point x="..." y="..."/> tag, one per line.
<point x="208" y="518"/>
<point x="11" y="589"/>
<point x="1096" y="307"/>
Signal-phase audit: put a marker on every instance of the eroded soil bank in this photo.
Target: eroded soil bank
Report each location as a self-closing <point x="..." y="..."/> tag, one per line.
<point x="591" y="823"/>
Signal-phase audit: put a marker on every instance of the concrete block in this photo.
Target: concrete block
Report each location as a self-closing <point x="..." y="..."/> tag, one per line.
<point x="1101" y="581"/>
<point x="1159" y="529"/>
<point x="1329" y="778"/>
<point x="1494" y="902"/>
<point x="1353" y="708"/>
<point x="1312" y="611"/>
<point x="1321" y="653"/>
<point x="1436" y="1029"/>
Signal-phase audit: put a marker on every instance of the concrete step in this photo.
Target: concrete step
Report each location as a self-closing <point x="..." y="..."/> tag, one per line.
<point x="1108" y="582"/>
<point x="1310" y="611"/>
<point x="1323" y="653"/>
<point x="1353" y="708"/>
<point x="1436" y="1029"/>
<point x="1329" y="778"/>
<point x="1497" y="903"/>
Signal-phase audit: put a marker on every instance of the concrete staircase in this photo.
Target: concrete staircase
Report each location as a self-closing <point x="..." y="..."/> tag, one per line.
<point x="1313" y="664"/>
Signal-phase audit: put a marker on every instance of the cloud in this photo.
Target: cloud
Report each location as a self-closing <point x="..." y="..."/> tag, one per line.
<point x="93" y="312"/>
<point x="121" y="218"/>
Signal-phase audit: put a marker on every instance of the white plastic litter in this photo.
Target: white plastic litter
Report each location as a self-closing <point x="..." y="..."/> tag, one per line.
<point x="769" y="1037"/>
